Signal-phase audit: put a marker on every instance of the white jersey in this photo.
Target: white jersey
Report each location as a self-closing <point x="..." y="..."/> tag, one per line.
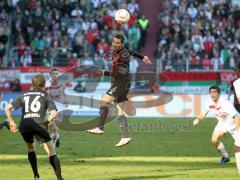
<point x="55" y="90"/>
<point x="224" y="111"/>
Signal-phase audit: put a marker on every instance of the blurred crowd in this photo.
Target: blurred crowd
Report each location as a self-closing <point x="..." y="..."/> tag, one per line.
<point x="68" y="32"/>
<point x="5" y="9"/>
<point x="193" y="35"/>
<point x="198" y="35"/>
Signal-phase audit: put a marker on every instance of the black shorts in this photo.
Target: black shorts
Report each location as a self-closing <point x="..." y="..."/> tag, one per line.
<point x="119" y="92"/>
<point x="29" y="128"/>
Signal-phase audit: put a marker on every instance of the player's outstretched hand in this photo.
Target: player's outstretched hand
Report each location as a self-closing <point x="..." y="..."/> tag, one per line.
<point x="195" y="122"/>
<point x="146" y="60"/>
<point x="13" y="127"/>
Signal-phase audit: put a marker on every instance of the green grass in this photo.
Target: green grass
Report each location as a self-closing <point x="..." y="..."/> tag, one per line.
<point x="161" y="149"/>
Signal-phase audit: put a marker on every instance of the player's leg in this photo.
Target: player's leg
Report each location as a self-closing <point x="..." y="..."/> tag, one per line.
<point x="49" y="147"/>
<point x="53" y="159"/>
<point x="54" y="134"/>
<point x="123" y="124"/>
<point x="32" y="158"/>
<point x="236" y="136"/>
<point x="105" y="101"/>
<point x="217" y="134"/>
<point x="237" y="156"/>
<point x="53" y="126"/>
<point x="4" y="123"/>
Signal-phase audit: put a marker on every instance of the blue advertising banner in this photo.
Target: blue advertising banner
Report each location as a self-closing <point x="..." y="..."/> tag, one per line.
<point x="8" y="97"/>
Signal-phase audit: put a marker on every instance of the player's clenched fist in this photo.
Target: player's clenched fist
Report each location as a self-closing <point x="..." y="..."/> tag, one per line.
<point x="13" y="127"/>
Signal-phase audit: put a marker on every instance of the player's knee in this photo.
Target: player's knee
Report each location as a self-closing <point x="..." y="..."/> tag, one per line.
<point x="119" y="113"/>
<point x="50" y="148"/>
<point x="215" y="141"/>
<point x="30" y="147"/>
<point x="104" y="103"/>
<point x="51" y="152"/>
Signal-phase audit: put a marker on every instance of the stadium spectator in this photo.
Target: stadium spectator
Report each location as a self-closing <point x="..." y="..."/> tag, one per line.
<point x="13" y="61"/>
<point x="143" y="24"/>
<point x="26" y="59"/>
<point x="74" y="60"/>
<point x="206" y="62"/>
<point x="216" y="63"/>
<point x="88" y="61"/>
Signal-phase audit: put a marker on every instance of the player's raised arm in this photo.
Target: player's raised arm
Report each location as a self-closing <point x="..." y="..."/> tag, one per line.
<point x="13" y="126"/>
<point x="145" y="59"/>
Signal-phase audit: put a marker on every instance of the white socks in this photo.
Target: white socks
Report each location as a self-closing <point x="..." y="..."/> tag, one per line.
<point x="237" y="156"/>
<point x="222" y="150"/>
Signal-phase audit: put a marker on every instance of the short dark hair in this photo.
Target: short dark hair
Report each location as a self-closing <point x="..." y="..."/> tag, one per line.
<point x="53" y="69"/>
<point x="216" y="87"/>
<point x="120" y="36"/>
<point x="38" y="81"/>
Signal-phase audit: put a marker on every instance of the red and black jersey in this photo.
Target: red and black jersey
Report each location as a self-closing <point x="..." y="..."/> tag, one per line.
<point x="120" y="63"/>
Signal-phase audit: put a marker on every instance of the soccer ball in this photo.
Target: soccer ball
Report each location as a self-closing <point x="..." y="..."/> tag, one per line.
<point x="122" y="16"/>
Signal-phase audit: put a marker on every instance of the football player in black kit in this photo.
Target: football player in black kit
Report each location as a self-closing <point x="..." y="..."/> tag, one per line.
<point x="119" y="89"/>
<point x="34" y="104"/>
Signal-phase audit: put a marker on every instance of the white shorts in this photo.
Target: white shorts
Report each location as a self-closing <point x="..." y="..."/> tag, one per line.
<point x="235" y="133"/>
<point x="236" y="136"/>
<point x="60" y="106"/>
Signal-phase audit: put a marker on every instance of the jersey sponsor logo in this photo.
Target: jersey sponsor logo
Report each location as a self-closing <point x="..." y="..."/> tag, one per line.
<point x="214" y="107"/>
<point x="53" y="87"/>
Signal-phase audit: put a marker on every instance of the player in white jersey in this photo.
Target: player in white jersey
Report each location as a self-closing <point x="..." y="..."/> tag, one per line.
<point x="55" y="89"/>
<point x="228" y="119"/>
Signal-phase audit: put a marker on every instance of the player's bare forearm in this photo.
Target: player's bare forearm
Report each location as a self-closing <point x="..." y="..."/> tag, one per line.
<point x="8" y="112"/>
<point x="52" y="115"/>
<point x="13" y="126"/>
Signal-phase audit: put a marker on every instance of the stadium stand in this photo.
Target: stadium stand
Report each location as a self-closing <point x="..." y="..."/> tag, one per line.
<point x="199" y="35"/>
<point x="50" y="33"/>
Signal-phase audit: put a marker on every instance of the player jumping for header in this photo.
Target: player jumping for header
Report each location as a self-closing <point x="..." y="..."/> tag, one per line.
<point x="119" y="88"/>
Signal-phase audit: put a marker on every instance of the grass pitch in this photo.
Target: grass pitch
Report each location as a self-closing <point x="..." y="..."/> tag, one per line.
<point x="165" y="148"/>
